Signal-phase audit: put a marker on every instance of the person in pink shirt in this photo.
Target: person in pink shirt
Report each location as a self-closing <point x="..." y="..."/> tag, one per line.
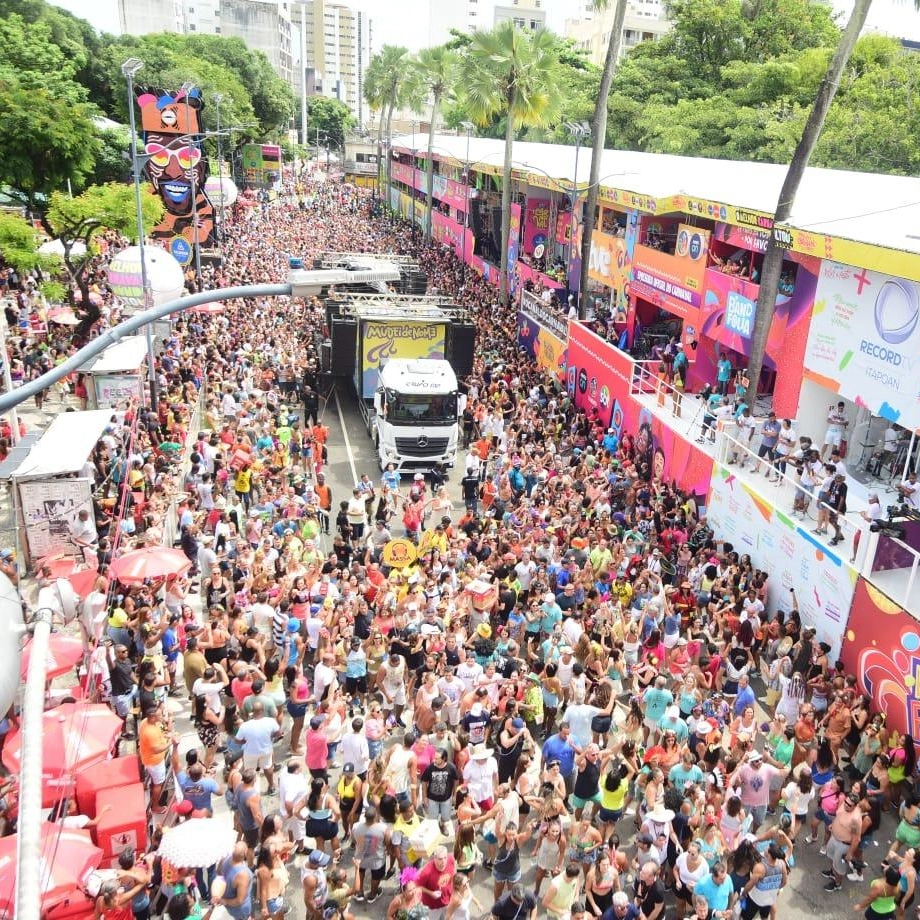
<point x="317" y="749"/>
<point x="753" y="776"/>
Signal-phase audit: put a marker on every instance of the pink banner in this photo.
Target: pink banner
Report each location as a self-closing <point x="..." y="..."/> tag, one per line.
<point x="536" y="223"/>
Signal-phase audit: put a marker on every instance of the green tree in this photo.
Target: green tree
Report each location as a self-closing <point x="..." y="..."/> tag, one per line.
<point x="79" y="219"/>
<point x="389" y="84"/>
<point x="35" y="120"/>
<point x="773" y="257"/>
<point x="599" y="135"/>
<point x="437" y="70"/>
<point x="331" y="118"/>
<point x="19" y="244"/>
<point x="512" y="73"/>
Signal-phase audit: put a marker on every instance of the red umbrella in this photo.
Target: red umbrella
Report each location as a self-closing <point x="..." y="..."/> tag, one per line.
<point x="66" y="859"/>
<point x="64" y="653"/>
<point x="136" y="567"/>
<point x="82" y="581"/>
<point x="74" y="736"/>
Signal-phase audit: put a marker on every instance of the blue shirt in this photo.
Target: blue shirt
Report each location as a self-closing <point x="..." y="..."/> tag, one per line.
<point x="724" y="369"/>
<point x="554" y="748"/>
<point x="717" y="896"/>
<point x="656" y="701"/>
<point x="746" y="697"/>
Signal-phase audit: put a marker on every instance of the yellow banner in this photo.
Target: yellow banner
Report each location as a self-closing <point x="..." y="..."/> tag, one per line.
<point x="384" y="340"/>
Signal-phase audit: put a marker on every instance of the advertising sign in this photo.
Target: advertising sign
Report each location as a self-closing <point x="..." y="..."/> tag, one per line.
<point x="49" y="509"/>
<point x="727" y="318"/>
<point x="673" y="282"/>
<point x="776" y="543"/>
<point x="882" y="648"/>
<point x="547" y="350"/>
<point x="384" y="340"/>
<point x="514" y="237"/>
<point x="116" y="391"/>
<point x="864" y="341"/>
<point x="742" y="237"/>
<point x="536" y="223"/>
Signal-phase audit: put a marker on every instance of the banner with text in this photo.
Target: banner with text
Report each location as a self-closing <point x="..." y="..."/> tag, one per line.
<point x="536" y="224"/>
<point x="673" y="282"/>
<point x="864" y="341"/>
<point x="543" y="345"/>
<point x="381" y="341"/>
<point x="823" y="582"/>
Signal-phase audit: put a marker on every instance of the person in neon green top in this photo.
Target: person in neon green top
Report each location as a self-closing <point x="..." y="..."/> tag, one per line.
<point x="879" y="903"/>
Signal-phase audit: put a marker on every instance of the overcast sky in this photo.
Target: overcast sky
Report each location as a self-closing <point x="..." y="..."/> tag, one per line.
<point x="896" y="17"/>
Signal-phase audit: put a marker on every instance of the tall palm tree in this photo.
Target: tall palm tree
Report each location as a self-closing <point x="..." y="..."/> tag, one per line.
<point x="510" y="72"/>
<point x="773" y="258"/>
<point x="387" y="76"/>
<point x="599" y="133"/>
<point x="436" y="70"/>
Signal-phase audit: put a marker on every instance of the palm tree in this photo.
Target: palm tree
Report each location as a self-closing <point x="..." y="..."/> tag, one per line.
<point x="384" y="86"/>
<point x="773" y="258"/>
<point x="510" y="72"/>
<point x="599" y="133"/>
<point x="436" y="70"/>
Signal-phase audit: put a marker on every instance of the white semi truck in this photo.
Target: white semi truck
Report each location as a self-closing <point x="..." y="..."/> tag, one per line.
<point x="417" y="407"/>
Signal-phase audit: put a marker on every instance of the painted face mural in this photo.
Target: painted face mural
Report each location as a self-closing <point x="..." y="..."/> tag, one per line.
<point x="176" y="164"/>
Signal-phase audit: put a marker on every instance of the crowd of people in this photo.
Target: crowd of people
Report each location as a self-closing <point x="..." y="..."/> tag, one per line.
<point x="558" y="695"/>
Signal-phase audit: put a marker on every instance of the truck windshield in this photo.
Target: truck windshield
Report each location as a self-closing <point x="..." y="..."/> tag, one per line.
<point x="417" y="409"/>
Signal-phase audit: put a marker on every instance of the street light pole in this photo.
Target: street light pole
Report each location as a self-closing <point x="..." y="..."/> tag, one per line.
<point x="130" y="69"/>
<point x="414" y="126"/>
<point x="218" y="99"/>
<point x="187" y="88"/>
<point x="468" y="126"/>
<point x="579" y="133"/>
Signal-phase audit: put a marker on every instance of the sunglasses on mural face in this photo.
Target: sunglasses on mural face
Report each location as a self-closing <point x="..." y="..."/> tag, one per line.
<point x="187" y="157"/>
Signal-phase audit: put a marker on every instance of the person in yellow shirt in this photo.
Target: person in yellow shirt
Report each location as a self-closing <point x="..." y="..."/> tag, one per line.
<point x="433" y="540"/>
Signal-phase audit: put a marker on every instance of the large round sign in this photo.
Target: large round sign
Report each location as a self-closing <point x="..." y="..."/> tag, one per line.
<point x="399" y="553"/>
<point x="221" y="191"/>
<point x="165" y="280"/>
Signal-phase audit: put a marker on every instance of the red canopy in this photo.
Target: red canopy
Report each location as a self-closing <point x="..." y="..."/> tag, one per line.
<point x="74" y="736"/>
<point x="136" y="567"/>
<point x="67" y="858"/>
<point x="64" y="653"/>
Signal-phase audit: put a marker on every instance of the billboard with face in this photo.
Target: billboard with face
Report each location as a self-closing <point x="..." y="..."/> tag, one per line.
<point x="176" y="165"/>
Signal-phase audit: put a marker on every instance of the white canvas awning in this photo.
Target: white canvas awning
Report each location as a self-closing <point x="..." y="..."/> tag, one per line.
<point x="124" y="356"/>
<point x="65" y="446"/>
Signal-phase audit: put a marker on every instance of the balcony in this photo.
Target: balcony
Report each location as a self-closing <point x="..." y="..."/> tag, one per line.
<point x="887" y="562"/>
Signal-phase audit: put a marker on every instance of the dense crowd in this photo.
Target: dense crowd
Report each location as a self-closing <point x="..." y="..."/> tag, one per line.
<point x="558" y="694"/>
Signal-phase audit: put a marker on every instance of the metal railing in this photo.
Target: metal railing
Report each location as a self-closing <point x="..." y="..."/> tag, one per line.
<point x="196" y="417"/>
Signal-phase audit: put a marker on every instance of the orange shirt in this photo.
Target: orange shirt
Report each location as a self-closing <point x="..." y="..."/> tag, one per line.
<point x="152" y="743"/>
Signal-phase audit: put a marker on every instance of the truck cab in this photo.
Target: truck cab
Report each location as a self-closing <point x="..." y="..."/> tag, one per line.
<point x="417" y="408"/>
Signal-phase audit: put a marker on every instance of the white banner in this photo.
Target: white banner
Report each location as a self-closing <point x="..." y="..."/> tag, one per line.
<point x="49" y="508"/>
<point x="788" y="553"/>
<point x="864" y="341"/>
<point x="115" y="391"/>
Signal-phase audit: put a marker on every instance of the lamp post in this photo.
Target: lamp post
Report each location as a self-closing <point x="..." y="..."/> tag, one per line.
<point x="579" y="132"/>
<point x="414" y="127"/>
<point x="130" y="69"/>
<point x="467" y="126"/>
<point x="187" y="88"/>
<point x="218" y="99"/>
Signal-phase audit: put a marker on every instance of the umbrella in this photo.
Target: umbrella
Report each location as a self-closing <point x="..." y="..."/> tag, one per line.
<point x="197" y="843"/>
<point x="64" y="653"/>
<point x="136" y="567"/>
<point x="56" y="248"/>
<point x="209" y="308"/>
<point x="82" y="580"/>
<point x="67" y="857"/>
<point x="74" y="736"/>
<point x="59" y="564"/>
<point x="64" y="317"/>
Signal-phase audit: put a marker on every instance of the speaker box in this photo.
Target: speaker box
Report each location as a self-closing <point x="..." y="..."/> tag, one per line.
<point x="343" y="347"/>
<point x="476" y="217"/>
<point x="463" y="348"/>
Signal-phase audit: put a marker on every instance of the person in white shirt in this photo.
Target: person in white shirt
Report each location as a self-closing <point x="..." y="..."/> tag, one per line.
<point x="452" y="689"/>
<point x="292" y="794"/>
<point x="469" y="671"/>
<point x="871" y="514"/>
<point x="481" y="776"/>
<point x="836" y="427"/>
<point x="354" y="748"/>
<point x="909" y="490"/>
<point x="785" y="445"/>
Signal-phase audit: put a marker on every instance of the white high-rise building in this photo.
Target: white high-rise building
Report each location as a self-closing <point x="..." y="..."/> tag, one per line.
<point x="152" y="16"/>
<point x="646" y="20"/>
<point x="333" y="43"/>
<point x="462" y="15"/>
<point x="529" y="15"/>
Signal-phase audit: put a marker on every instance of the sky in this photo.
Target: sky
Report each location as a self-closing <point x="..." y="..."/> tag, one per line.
<point x="392" y="26"/>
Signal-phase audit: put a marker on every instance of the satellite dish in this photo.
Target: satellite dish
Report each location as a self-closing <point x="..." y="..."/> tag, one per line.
<point x="11" y="632"/>
<point x="538" y="251"/>
<point x="59" y="597"/>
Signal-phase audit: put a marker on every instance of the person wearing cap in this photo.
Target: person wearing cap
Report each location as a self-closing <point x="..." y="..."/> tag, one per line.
<point x="314" y="884"/>
<point x="754" y="777"/>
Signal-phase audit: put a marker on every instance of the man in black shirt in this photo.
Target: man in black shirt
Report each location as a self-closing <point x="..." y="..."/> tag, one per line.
<point x="438" y="783"/>
<point x="649" y="892"/>
<point x="518" y="904"/>
<point x="123" y="681"/>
